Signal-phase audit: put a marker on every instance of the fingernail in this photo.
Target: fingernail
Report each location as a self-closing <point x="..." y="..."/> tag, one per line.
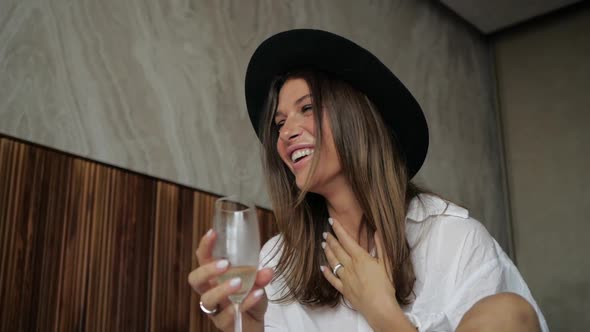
<point x="209" y="232"/>
<point x="235" y="282"/>
<point x="222" y="264"/>
<point x="258" y="292"/>
<point x="325" y="235"/>
<point x="331" y="221"/>
<point x="322" y="268"/>
<point x="323" y="245"/>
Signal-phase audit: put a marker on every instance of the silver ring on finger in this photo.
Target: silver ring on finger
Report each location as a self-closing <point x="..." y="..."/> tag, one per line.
<point x="336" y="268"/>
<point x="207" y="311"/>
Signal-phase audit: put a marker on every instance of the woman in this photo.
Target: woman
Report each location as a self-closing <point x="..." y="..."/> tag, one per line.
<point x="360" y="247"/>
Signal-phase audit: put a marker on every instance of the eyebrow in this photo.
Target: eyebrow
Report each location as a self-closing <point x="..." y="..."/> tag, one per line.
<point x="297" y="102"/>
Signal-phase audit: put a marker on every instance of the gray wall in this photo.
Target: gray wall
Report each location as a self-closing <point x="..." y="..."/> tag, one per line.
<point x="544" y="89"/>
<point x="157" y="86"/>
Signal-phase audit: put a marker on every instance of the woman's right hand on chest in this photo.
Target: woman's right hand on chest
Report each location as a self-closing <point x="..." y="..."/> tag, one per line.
<point x="203" y="280"/>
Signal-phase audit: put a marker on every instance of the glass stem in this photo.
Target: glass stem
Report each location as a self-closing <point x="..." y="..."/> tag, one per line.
<point x="238" y="318"/>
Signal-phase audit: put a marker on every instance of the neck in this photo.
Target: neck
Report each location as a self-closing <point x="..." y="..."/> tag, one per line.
<point x="344" y="207"/>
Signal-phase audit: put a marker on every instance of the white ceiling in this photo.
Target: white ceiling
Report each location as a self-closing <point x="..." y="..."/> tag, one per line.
<point x="493" y="15"/>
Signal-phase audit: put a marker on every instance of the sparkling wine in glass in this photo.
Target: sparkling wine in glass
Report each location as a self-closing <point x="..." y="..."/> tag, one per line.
<point x="238" y="241"/>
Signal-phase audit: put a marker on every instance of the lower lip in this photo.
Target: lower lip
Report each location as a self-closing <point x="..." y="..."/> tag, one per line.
<point x="302" y="162"/>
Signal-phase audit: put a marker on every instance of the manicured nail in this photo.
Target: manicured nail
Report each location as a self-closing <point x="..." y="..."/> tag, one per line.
<point x="323" y="245"/>
<point x="322" y="268"/>
<point x="209" y="232"/>
<point x="331" y="221"/>
<point x="222" y="264"/>
<point x="235" y="282"/>
<point x="325" y="235"/>
<point x="258" y="292"/>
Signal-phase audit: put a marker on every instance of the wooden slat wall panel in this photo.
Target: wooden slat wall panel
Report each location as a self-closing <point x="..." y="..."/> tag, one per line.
<point x="88" y="247"/>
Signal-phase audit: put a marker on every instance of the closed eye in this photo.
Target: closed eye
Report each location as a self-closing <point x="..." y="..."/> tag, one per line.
<point x="304" y="109"/>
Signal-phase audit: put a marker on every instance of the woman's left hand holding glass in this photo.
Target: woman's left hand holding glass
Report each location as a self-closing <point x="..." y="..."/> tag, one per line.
<point x="363" y="280"/>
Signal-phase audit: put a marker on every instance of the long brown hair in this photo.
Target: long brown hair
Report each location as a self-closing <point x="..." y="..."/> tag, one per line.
<point x="376" y="170"/>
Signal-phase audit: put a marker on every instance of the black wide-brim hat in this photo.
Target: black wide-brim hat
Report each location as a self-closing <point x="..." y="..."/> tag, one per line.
<point x="343" y="59"/>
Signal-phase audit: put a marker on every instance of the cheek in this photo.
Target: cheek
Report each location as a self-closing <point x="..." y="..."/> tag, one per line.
<point x="282" y="152"/>
<point x="311" y="126"/>
<point x="281" y="149"/>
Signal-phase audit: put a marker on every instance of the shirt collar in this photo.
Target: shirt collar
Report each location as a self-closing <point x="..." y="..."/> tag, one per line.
<point x="425" y="206"/>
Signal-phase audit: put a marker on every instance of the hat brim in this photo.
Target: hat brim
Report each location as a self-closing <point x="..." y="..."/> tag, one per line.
<point x="330" y="53"/>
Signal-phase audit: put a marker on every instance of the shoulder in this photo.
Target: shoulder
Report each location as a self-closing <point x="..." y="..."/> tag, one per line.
<point x="271" y="251"/>
<point x="460" y="232"/>
<point x="442" y="229"/>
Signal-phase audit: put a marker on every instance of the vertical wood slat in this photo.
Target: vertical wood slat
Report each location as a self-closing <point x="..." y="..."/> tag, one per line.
<point x="89" y="247"/>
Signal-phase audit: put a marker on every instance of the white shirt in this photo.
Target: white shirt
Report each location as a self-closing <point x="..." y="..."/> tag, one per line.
<point x="456" y="263"/>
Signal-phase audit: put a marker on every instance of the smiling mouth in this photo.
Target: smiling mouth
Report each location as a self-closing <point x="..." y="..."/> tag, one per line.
<point x="299" y="155"/>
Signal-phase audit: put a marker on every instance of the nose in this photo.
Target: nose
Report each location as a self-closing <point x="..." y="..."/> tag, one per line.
<point x="291" y="129"/>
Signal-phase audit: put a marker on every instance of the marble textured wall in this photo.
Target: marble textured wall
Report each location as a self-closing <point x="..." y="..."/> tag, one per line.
<point x="157" y="86"/>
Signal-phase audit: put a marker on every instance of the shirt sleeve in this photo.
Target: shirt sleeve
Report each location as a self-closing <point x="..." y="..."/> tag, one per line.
<point x="496" y="275"/>
<point x="430" y="321"/>
<point x="462" y="264"/>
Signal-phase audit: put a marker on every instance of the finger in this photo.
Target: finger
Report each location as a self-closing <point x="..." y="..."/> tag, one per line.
<point x="263" y="277"/>
<point x="341" y="256"/>
<point x="348" y="243"/>
<point x="257" y="300"/>
<point x="200" y="277"/>
<point x="205" y="249"/>
<point x="224" y="320"/>
<point x="332" y="279"/>
<point x="216" y="296"/>
<point x="333" y="261"/>
<point x="252" y="299"/>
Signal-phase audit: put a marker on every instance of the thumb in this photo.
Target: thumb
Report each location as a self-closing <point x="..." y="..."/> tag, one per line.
<point x="256" y="302"/>
<point x="264" y="277"/>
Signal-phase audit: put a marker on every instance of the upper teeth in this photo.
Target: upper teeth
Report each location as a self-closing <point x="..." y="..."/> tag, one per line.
<point x="301" y="153"/>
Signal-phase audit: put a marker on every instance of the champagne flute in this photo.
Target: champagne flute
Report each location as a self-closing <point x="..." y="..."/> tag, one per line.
<point x="238" y="241"/>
